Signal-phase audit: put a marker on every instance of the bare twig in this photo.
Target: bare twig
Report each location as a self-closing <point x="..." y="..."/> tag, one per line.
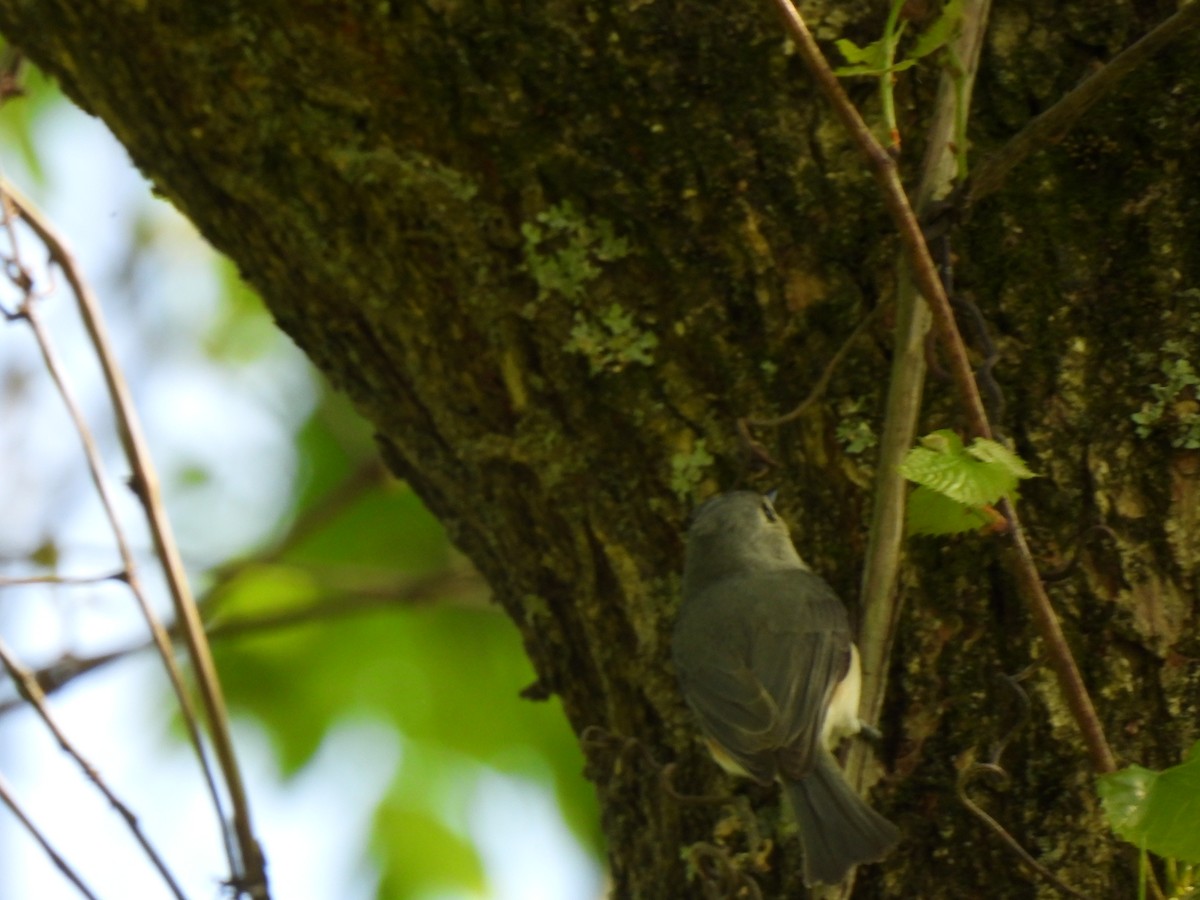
<point x="964" y="779"/>
<point x="7" y="798"/>
<point x="1057" y="650"/>
<point x="880" y="600"/>
<point x="129" y="572"/>
<point x="925" y="275"/>
<point x="72" y="580"/>
<point x="337" y="604"/>
<point x="1052" y="124"/>
<point x="818" y="389"/>
<point x="31" y="691"/>
<point x="993" y="768"/>
<point x="367" y="475"/>
<point x="249" y="875"/>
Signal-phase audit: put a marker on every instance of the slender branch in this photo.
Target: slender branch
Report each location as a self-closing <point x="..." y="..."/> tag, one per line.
<point x="7" y="798"/>
<point x="31" y="691"/>
<point x="883" y="168"/>
<point x="408" y="592"/>
<point x="818" y="389"/>
<point x="452" y="587"/>
<point x="925" y="275"/>
<point x="67" y="668"/>
<point x="368" y="474"/>
<point x="69" y="580"/>
<point x="250" y="876"/>
<point x="1001" y="832"/>
<point x="130" y="572"/>
<point x="1058" y="651"/>
<point x="1052" y="124"/>
<point x="880" y="599"/>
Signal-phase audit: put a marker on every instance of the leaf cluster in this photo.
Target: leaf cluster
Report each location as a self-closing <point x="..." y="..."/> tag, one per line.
<point x="1159" y="812"/>
<point x="879" y="57"/>
<point x="957" y="484"/>
<point x="442" y="671"/>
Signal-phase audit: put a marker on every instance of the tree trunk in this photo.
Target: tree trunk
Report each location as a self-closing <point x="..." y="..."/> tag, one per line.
<point x="554" y="251"/>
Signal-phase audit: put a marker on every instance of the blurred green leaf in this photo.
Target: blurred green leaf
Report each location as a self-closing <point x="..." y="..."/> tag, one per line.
<point x="871" y="56"/>
<point x="418" y="853"/>
<point x="444" y="674"/>
<point x="1157" y="811"/>
<point x="21" y="115"/>
<point x="244" y="330"/>
<point x="940" y="32"/>
<point x="332" y="444"/>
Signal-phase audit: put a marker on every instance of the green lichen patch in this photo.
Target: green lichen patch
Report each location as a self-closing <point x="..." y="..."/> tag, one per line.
<point x="855" y="431"/>
<point x="611" y="341"/>
<point x="687" y="470"/>
<point x="564" y="252"/>
<point x="1174" y="407"/>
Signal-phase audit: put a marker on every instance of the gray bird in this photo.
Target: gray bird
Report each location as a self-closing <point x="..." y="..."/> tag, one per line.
<point x="763" y="651"/>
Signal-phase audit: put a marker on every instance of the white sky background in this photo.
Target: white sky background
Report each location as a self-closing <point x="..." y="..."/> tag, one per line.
<point x="194" y="413"/>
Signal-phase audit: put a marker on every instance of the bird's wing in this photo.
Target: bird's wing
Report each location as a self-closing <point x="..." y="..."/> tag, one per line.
<point x="760" y="672"/>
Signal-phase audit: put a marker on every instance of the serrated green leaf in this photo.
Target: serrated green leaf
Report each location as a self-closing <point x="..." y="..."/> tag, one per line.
<point x="932" y="513"/>
<point x="1157" y="811"/>
<point x="957" y="475"/>
<point x="944" y="440"/>
<point x="993" y="452"/>
<point x="974" y="476"/>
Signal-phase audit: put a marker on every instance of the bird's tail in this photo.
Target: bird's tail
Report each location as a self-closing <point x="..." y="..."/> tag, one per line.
<point x="838" y="830"/>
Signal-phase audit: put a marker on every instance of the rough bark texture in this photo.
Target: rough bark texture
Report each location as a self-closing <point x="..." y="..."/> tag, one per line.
<point x="554" y="250"/>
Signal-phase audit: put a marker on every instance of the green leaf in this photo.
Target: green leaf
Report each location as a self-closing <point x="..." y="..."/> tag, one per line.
<point x="877" y="58"/>
<point x="871" y="55"/>
<point x="943" y="441"/>
<point x="956" y="482"/>
<point x="419" y="854"/>
<point x="976" y="476"/>
<point x="848" y="71"/>
<point x="1157" y="811"/>
<point x="932" y="513"/>
<point x="958" y="476"/>
<point x="243" y="330"/>
<point x="992" y="452"/>
<point x="940" y="32"/>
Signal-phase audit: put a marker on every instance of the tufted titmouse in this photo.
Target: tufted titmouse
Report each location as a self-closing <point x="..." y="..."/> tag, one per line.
<point x="762" y="647"/>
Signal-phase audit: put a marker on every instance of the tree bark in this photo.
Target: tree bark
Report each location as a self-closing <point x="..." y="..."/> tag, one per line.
<point x="554" y="252"/>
